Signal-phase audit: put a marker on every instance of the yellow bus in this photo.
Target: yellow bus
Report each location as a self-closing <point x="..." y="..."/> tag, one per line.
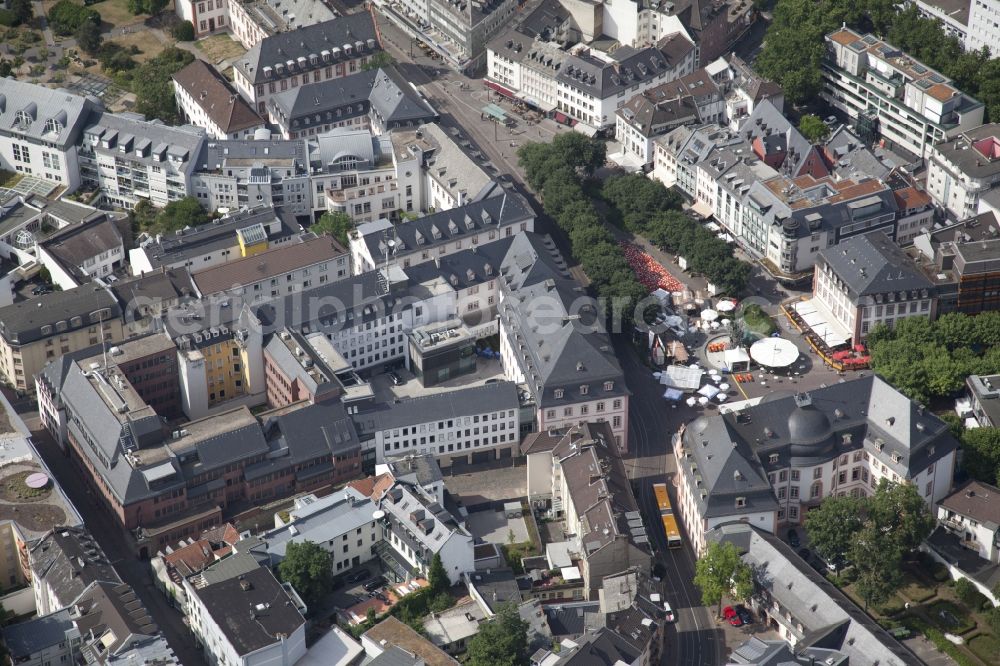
<point x="670" y="529"/>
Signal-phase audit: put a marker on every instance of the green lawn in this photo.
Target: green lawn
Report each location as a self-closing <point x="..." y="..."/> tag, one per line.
<point x="10" y="178"/>
<point x="116" y="12"/>
<point x="220" y="47"/>
<point x="986" y="647"/>
<point x="915" y="590"/>
<point x="960" y="621"/>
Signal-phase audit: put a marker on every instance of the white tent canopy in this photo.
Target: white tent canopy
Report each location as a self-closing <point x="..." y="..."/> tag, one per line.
<point x="833" y="334"/>
<point x="774" y="352"/>
<point x="725" y="306"/>
<point x="709" y="315"/>
<point x="708" y="391"/>
<point x="682" y="377"/>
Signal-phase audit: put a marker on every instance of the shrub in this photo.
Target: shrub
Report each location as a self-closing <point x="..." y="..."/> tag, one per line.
<point x="7" y="17"/>
<point x="970" y="595"/>
<point x="985" y="647"/>
<point x="183" y="31"/>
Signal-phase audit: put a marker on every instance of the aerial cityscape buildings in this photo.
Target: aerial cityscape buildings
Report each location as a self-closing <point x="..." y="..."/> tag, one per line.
<point x="486" y="331"/>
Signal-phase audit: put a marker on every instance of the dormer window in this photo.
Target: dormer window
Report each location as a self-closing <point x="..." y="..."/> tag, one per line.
<point x="22" y="119"/>
<point x="741" y="502"/>
<point x="896" y="457"/>
<point x="558" y="393"/>
<point x="53" y="126"/>
<point x="584" y="389"/>
<point x="773" y="458"/>
<point x="609" y="386"/>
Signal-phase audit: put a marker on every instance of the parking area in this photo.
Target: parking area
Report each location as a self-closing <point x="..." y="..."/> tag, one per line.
<point x="736" y="635"/>
<point x="477" y="485"/>
<point x="496" y="527"/>
<point x="386" y="390"/>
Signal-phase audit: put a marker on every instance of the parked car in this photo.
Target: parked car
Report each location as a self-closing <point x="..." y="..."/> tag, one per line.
<point x="41" y="289"/>
<point x="375" y="584"/>
<point x="395" y="379"/>
<point x="358" y="576"/>
<point x="668" y="612"/>
<point x="744" y="614"/>
<point x="793" y="538"/>
<point x="731" y="616"/>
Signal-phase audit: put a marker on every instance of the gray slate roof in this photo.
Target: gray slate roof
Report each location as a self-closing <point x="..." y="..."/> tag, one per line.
<point x="830" y="620"/>
<point x="439" y="406"/>
<point x="22" y="322"/>
<point x="320" y="39"/>
<point x="74" y="245"/>
<point x="559" y="353"/>
<point x="56" y="560"/>
<point x="497" y="211"/>
<point x="806" y="430"/>
<point x="341" y="513"/>
<point x="142" y="139"/>
<point x="27" y="638"/>
<point x="873" y="264"/>
<point x="26" y="110"/>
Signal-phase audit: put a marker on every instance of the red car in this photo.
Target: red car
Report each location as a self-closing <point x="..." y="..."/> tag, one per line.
<point x="730" y="614"/>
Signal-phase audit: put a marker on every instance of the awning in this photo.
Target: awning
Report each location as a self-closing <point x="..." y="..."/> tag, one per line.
<point x="561" y="118"/>
<point x="673" y="394"/>
<point x="585" y="129"/>
<point x="499" y="88"/>
<point x="702" y="209"/>
<point x="685" y="378"/>
<point x="734" y="356"/>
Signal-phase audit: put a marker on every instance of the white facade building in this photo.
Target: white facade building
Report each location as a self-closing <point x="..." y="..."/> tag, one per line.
<point x="972" y="513"/>
<point x="912" y="106"/>
<point x="961" y="169"/>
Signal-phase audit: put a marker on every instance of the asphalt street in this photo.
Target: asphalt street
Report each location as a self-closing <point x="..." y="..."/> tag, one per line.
<point x="694" y="639"/>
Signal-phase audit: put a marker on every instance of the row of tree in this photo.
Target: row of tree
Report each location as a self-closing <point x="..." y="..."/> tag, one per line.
<point x="794" y="47"/>
<point x="873" y="534"/>
<point x="645" y="206"/>
<point x="927" y="360"/>
<point x="555" y="170"/>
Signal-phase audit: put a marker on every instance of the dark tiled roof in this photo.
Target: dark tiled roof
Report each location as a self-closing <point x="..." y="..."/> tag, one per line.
<point x="22" y="322"/>
<point x="976" y="500"/>
<point x="69" y="560"/>
<point x="312" y="40"/>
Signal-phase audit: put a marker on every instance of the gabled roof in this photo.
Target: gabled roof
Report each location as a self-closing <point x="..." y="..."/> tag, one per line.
<point x="68" y="560"/>
<point x="217" y="97"/>
<point x="978" y="501"/>
<point x="22" y="322"/>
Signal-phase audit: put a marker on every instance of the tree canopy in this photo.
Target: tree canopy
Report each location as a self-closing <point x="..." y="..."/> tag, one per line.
<point x="437" y="576"/>
<point x="555" y="169"/>
<point x="794" y="46"/>
<point x="981" y="454"/>
<point x="151" y="82"/>
<point x="872" y="533"/>
<point x="832" y="525"/>
<point x="927" y="360"/>
<point x="65" y="17"/>
<point x="308" y="568"/>
<point x="335" y="224"/>
<point x="186" y="212"/>
<point x="151" y="7"/>
<point x="88" y="37"/>
<point x="502" y="641"/>
<point x="813" y="128"/>
<point x="720" y="571"/>
<point x="23" y="10"/>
